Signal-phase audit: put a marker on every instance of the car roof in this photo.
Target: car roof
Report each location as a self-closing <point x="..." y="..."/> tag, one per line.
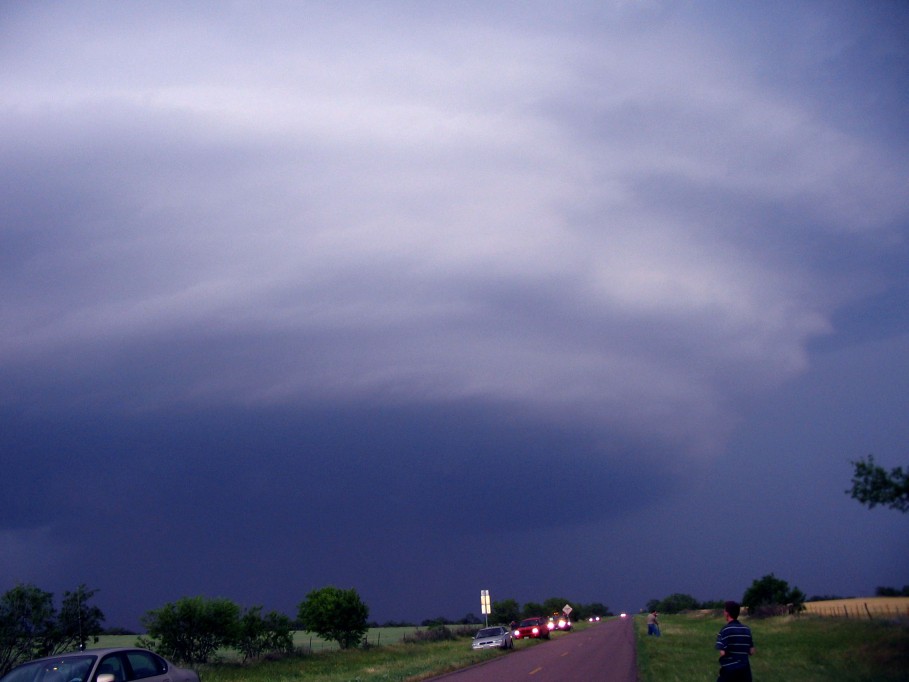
<point x="87" y="652"/>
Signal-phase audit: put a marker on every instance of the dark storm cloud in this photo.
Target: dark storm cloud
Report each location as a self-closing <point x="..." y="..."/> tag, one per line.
<point x="302" y="291"/>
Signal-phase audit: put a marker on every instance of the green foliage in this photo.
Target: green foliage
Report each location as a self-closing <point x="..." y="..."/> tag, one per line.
<point x="873" y="485"/>
<point x="335" y="614"/>
<point x="192" y="629"/>
<point x="585" y="611"/>
<point x="772" y="596"/>
<point x="532" y="609"/>
<point x="26" y="624"/>
<point x="554" y="605"/>
<point x="505" y="611"/>
<point x="30" y="626"/>
<point x="258" y="635"/>
<point x="78" y="621"/>
<point x="892" y="592"/>
<point x="679" y="603"/>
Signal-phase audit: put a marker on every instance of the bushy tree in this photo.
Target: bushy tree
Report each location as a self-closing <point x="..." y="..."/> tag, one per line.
<point x="191" y="629"/>
<point x="258" y="634"/>
<point x="892" y="592"/>
<point x="873" y="485"/>
<point x="505" y="611"/>
<point x="30" y="626"/>
<point x="674" y="603"/>
<point x="770" y="595"/>
<point x="335" y="614"/>
<point x="554" y="605"/>
<point x="26" y="624"/>
<point x="532" y="609"/>
<point x="585" y="611"/>
<point x="78" y="620"/>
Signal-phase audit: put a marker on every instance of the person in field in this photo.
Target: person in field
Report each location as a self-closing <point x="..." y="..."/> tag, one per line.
<point x="736" y="645"/>
<point x="653" y="624"/>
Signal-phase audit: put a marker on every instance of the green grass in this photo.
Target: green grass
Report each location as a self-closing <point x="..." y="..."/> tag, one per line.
<point x="806" y="648"/>
<point x="391" y="660"/>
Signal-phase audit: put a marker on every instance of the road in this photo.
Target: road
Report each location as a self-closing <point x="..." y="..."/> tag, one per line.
<point x="603" y="652"/>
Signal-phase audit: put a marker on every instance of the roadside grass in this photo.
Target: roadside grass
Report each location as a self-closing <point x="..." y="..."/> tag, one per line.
<point x="804" y="648"/>
<point x="394" y="660"/>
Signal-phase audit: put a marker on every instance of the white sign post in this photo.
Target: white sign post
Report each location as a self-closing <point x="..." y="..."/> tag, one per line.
<point x="485" y="605"/>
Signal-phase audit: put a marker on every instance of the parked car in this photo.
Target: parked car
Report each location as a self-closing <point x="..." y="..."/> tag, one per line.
<point x="532" y="628"/>
<point x="121" y="664"/>
<point x="557" y="622"/>
<point x="496" y="637"/>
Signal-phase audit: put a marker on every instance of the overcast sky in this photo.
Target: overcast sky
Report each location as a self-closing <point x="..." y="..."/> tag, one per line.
<point x="595" y="300"/>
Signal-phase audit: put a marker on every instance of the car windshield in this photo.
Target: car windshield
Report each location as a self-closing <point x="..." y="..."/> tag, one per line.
<point x="63" y="669"/>
<point x="489" y="632"/>
<point x="529" y="622"/>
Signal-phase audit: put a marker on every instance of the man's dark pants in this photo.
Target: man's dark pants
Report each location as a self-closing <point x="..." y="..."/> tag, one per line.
<point x="740" y="675"/>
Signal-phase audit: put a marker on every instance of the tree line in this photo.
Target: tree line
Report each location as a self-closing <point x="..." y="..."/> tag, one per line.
<point x="189" y="630"/>
<point x="192" y="629"/>
<point x="766" y="596"/>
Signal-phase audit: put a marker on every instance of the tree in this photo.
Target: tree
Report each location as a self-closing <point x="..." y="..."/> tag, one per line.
<point x="258" y="635"/>
<point x="532" y="609"/>
<point x="873" y="485"/>
<point x="505" y="611"/>
<point x="27" y="620"/>
<point x="191" y="629"/>
<point x="892" y="592"/>
<point x="596" y="609"/>
<point x="335" y="614"/>
<point x="770" y="595"/>
<point x="554" y="605"/>
<point x="674" y="603"/>
<point x="78" y="621"/>
<point x="30" y="626"/>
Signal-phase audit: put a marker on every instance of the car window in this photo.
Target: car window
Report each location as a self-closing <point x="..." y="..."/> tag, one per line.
<point x="112" y="665"/>
<point x="489" y="632"/>
<point x="64" y="669"/>
<point x="145" y="664"/>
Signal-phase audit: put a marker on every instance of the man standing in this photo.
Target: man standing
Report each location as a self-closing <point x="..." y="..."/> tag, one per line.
<point x="735" y="644"/>
<point x="653" y="624"/>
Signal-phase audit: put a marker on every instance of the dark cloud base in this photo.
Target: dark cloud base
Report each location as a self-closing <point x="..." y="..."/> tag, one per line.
<point x="227" y="501"/>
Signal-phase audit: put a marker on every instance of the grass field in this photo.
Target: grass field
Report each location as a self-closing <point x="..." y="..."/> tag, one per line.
<point x="807" y="648"/>
<point x="804" y="648"/>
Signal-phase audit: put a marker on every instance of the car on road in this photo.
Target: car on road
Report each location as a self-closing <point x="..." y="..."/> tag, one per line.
<point x="120" y="664"/>
<point x="562" y="623"/>
<point x="496" y="637"/>
<point x="532" y="628"/>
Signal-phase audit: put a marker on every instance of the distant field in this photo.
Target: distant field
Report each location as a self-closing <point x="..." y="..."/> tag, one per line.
<point x="867" y="607"/>
<point x="304" y="640"/>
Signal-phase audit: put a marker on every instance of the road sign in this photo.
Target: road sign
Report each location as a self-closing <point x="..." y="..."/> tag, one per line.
<point x="567" y="609"/>
<point x="485" y="607"/>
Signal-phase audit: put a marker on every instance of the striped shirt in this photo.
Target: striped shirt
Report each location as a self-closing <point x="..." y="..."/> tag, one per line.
<point x="735" y="639"/>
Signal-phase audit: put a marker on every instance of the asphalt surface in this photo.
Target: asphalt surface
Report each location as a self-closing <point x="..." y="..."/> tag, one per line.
<point x="604" y="652"/>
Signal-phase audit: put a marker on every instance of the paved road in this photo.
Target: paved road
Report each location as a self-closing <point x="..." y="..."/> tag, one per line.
<point x="603" y="652"/>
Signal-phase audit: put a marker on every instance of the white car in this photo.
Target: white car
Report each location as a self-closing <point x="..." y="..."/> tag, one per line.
<point x="120" y="664"/>
<point x="496" y="637"/>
